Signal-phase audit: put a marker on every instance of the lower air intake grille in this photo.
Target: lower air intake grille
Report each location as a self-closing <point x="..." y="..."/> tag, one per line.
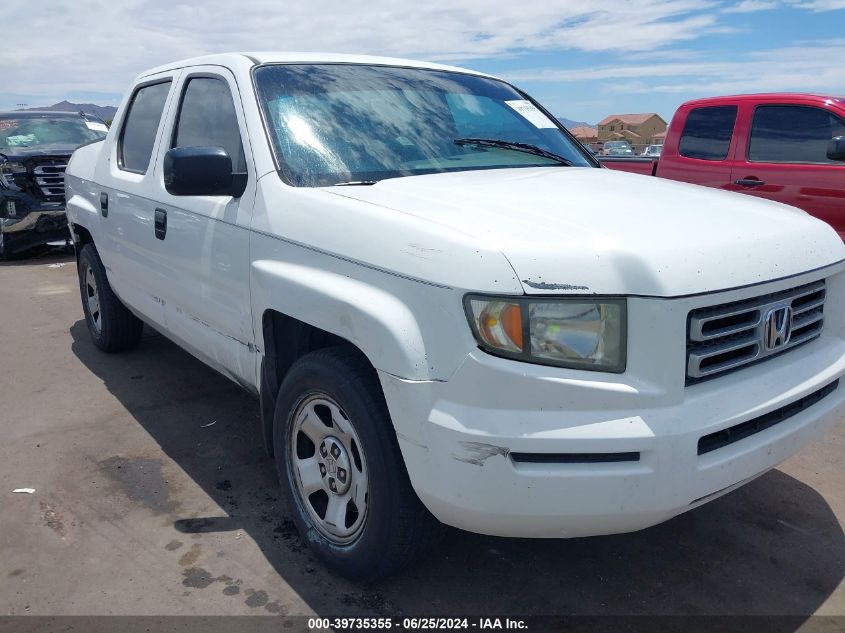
<point x="574" y="458"/>
<point x="739" y="432"/>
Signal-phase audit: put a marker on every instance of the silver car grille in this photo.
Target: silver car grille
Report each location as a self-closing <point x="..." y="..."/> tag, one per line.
<point x="729" y="336"/>
<point x="50" y="178"/>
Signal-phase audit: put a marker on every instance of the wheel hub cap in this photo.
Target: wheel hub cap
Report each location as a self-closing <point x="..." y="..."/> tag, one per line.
<point x="334" y="465"/>
<point x="329" y="468"/>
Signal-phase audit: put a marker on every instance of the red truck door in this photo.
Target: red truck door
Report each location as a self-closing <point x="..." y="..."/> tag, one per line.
<point x="699" y="146"/>
<point x="782" y="156"/>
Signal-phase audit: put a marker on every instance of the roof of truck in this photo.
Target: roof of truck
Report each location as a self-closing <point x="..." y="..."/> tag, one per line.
<point x="765" y="96"/>
<point x="269" y="57"/>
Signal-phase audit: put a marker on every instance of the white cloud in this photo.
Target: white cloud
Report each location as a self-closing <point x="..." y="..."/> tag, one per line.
<point x="99" y="45"/>
<point x="799" y="68"/>
<point x="751" y="6"/>
<point x="816" y="6"/>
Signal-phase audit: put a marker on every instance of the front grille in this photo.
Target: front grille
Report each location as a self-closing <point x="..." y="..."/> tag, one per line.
<point x="49" y="174"/>
<point x="729" y="336"/>
<point x="728" y="436"/>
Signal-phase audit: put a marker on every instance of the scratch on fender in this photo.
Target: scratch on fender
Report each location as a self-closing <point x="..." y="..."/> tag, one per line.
<point x="478" y="452"/>
<point x="411" y="441"/>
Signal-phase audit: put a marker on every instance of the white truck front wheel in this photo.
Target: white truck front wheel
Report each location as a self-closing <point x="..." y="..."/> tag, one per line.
<point x="340" y="467"/>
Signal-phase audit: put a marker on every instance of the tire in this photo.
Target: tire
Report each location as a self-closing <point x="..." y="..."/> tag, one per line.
<point x="112" y="326"/>
<point x="393" y="529"/>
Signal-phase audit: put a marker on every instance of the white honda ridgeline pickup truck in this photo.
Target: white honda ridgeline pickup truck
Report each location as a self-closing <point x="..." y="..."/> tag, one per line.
<point x="449" y="312"/>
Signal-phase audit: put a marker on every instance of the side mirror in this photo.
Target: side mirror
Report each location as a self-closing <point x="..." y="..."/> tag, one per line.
<point x="200" y="171"/>
<point x="836" y="148"/>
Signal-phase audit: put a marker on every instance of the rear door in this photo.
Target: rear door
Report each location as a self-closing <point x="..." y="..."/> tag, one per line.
<point x="702" y="153"/>
<point x="205" y="242"/>
<point x="783" y="157"/>
<point x="128" y="247"/>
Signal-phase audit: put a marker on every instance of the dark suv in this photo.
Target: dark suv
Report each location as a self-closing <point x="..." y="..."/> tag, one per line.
<point x="34" y="150"/>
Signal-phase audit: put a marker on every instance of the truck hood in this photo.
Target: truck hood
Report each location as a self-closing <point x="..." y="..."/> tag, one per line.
<point x="596" y="231"/>
<point x="21" y="154"/>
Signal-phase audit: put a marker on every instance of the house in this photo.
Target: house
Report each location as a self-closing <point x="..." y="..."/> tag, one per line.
<point x="585" y="134"/>
<point x="639" y="130"/>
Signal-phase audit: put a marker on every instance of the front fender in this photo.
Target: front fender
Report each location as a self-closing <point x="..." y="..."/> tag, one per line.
<point x="374" y="319"/>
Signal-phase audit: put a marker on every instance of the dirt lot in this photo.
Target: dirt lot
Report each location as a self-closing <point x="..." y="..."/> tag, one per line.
<point x="154" y="496"/>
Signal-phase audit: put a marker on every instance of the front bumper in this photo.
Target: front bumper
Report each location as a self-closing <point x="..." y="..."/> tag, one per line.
<point x="34" y="223"/>
<point x="458" y="438"/>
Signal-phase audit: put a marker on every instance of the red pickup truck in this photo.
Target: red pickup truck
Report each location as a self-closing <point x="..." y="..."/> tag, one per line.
<point x="786" y="147"/>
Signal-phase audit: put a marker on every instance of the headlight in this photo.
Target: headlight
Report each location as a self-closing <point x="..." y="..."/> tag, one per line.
<point x="575" y="333"/>
<point x="9" y="170"/>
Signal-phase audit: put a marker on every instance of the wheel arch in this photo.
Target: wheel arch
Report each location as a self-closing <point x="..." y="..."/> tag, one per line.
<point x="285" y="340"/>
<point x="80" y="236"/>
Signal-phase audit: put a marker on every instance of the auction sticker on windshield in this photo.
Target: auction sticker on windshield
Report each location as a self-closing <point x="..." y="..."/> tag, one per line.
<point x="529" y="111"/>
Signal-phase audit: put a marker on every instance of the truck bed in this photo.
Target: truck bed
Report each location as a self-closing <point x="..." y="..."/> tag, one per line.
<point x="635" y="164"/>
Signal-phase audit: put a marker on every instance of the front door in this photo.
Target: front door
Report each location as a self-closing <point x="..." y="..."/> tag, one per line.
<point x="204" y="240"/>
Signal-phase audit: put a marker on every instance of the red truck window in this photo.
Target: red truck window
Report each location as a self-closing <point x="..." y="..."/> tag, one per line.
<point x="792" y="134"/>
<point x="707" y="133"/>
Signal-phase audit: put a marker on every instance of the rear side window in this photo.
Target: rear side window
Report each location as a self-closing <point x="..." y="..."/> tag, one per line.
<point x="207" y="118"/>
<point x="707" y="133"/>
<point x="138" y="135"/>
<point x="792" y="134"/>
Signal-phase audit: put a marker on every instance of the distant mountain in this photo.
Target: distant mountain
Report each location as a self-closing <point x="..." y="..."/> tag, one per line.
<point x="569" y="123"/>
<point x="104" y="112"/>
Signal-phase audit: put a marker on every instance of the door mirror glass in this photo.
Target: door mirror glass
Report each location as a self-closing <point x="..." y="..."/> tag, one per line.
<point x="199" y="171"/>
<point x="836" y="148"/>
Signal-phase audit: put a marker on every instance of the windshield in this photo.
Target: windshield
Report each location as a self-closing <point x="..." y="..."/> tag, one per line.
<point x="43" y="132"/>
<point x="346" y="123"/>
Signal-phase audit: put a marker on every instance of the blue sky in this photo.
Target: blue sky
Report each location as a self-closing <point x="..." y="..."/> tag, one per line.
<point x="582" y="60"/>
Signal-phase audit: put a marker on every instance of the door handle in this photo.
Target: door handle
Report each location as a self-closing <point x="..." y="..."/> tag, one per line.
<point x="749" y="182"/>
<point x="104" y="204"/>
<point x="160" y="223"/>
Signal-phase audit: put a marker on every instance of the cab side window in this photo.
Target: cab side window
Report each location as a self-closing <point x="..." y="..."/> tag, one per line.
<point x="137" y="138"/>
<point x="792" y="134"/>
<point x="207" y="118"/>
<point x="707" y="133"/>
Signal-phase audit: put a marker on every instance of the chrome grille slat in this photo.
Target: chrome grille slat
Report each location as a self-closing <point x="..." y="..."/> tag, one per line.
<point x="804" y="321"/>
<point x="50" y="178"/>
<point x="810" y="306"/>
<point x="726" y="337"/>
<point x="697" y="325"/>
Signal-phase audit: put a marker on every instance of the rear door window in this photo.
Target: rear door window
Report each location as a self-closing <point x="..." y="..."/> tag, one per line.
<point x="207" y="118"/>
<point x="137" y="138"/>
<point x="707" y="133"/>
<point x="792" y="134"/>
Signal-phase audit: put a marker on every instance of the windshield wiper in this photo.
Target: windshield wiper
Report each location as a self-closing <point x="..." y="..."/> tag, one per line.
<point x="355" y="183"/>
<point x="528" y="148"/>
